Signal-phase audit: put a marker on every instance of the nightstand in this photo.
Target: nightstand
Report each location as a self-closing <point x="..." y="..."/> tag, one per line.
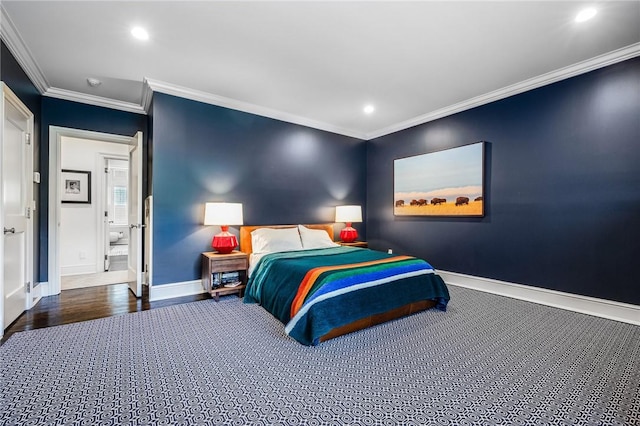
<point x="215" y="263"/>
<point x="362" y="244"/>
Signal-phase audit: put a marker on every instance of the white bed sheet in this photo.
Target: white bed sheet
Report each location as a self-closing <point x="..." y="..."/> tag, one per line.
<point x="254" y="258"/>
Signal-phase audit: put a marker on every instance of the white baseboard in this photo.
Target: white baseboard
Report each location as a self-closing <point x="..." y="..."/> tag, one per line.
<point x="168" y="291"/>
<point x="157" y="292"/>
<point x="609" y="309"/>
<point x="44" y="289"/>
<point x="77" y="270"/>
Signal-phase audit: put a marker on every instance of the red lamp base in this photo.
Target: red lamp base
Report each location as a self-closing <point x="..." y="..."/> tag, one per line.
<point x="224" y="242"/>
<point x="348" y="234"/>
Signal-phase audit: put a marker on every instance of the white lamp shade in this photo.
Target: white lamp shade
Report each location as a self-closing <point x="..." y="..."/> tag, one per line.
<point x="223" y="214"/>
<point x="348" y="214"/>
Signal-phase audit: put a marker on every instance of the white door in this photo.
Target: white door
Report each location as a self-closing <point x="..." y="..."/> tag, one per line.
<point x="17" y="189"/>
<point x="135" y="216"/>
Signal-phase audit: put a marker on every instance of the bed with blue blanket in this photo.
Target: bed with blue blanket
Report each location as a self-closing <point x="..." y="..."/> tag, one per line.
<point x="322" y="293"/>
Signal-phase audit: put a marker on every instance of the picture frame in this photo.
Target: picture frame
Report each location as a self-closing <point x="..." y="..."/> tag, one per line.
<point x="75" y="186"/>
<point x="446" y="183"/>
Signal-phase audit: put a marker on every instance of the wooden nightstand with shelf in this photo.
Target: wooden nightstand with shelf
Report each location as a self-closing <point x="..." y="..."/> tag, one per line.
<point x="362" y="244"/>
<point x="215" y="263"/>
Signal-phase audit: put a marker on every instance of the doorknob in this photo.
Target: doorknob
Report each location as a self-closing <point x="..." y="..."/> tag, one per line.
<point x="138" y="225"/>
<point x="9" y="230"/>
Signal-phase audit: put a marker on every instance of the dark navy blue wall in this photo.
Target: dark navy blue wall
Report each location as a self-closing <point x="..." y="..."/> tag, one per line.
<point x="74" y="115"/>
<point x="280" y="172"/>
<point x="15" y="78"/>
<point x="563" y="188"/>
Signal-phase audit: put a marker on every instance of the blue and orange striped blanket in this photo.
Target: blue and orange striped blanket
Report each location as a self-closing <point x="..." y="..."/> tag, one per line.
<point x="314" y="291"/>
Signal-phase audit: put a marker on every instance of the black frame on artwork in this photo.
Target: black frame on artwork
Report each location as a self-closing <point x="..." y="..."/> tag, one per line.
<point x="449" y="204"/>
<point x="75" y="186"/>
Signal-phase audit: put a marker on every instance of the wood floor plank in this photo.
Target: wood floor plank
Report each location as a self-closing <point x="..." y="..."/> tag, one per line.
<point x="85" y="304"/>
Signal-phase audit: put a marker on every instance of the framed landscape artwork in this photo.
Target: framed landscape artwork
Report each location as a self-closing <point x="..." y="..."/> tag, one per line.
<point x="442" y="183"/>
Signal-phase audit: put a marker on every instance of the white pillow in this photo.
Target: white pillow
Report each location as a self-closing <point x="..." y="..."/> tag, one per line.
<point x="270" y="240"/>
<point x="315" y="238"/>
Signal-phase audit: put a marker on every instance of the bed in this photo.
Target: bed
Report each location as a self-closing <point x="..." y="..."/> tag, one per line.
<point x="320" y="290"/>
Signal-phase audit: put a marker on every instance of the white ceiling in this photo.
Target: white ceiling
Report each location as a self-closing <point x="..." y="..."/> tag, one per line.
<point x="316" y="63"/>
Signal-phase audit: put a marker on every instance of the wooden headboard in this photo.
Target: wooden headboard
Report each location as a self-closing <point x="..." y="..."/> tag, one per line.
<point x="245" y="233"/>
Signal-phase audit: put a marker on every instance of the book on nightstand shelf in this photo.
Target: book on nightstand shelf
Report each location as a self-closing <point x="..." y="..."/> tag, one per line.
<point x="225" y="279"/>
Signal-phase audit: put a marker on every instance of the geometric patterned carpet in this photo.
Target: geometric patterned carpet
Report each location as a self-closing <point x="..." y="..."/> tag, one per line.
<point x="488" y="360"/>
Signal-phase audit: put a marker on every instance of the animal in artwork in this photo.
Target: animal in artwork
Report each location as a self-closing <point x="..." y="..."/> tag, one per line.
<point x="462" y="200"/>
<point x="478" y="199"/>
<point x="437" y="201"/>
<point x="399" y="203"/>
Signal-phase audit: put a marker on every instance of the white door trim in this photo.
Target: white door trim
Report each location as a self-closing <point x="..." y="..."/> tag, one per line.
<point x="55" y="135"/>
<point x="148" y="243"/>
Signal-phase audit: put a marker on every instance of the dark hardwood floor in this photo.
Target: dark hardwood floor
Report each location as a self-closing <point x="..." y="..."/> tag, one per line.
<point x="89" y="303"/>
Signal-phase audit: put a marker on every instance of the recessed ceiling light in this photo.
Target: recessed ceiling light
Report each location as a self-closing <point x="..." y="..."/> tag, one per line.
<point x="140" y="33"/>
<point x="586" y="14"/>
<point x="368" y="109"/>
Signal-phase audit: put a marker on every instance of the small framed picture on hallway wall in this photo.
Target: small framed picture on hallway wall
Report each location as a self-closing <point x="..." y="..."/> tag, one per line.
<point x="76" y="187"/>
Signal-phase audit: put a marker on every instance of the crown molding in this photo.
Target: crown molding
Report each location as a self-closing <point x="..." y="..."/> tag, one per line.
<point x="208" y="98"/>
<point x="147" y="95"/>
<point x="583" y="67"/>
<point x="69" y="95"/>
<point x="18" y="48"/>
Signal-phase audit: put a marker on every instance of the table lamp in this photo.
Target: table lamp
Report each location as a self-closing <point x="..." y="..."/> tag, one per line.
<point x="223" y="214"/>
<point x="348" y="214"/>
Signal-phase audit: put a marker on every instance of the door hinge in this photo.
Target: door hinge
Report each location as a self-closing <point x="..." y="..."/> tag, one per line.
<point x="27" y="287"/>
<point x="28" y="212"/>
<point x="27" y="138"/>
<point x="106" y="257"/>
<point x="106" y="170"/>
<point x="106" y="214"/>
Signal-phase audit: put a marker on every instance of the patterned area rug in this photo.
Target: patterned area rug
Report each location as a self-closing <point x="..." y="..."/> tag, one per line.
<point x="488" y="360"/>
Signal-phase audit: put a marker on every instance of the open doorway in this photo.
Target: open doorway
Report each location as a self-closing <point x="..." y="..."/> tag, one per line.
<point x="83" y="244"/>
<point x="94" y="231"/>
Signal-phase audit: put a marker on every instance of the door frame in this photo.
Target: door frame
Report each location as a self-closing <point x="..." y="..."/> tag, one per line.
<point x="7" y="95"/>
<point x="56" y="134"/>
